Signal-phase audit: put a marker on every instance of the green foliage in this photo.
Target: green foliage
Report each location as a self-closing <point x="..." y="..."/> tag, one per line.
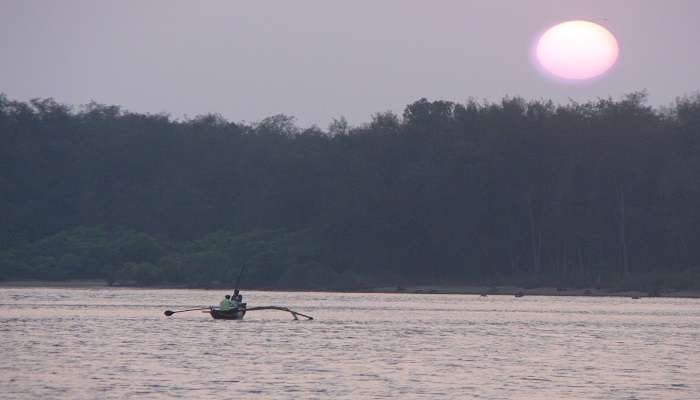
<point x="138" y="247"/>
<point x="599" y="193"/>
<point x="70" y="264"/>
<point x="11" y="266"/>
<point x="267" y="254"/>
<point x="46" y="268"/>
<point x="142" y="273"/>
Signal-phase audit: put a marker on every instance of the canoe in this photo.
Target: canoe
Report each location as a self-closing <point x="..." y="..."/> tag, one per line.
<point x="236" y="313"/>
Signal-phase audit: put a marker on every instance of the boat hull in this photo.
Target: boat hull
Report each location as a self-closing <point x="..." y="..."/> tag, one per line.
<point x="234" y="314"/>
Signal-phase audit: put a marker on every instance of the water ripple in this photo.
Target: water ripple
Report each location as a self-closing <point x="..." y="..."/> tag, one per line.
<point x="116" y="343"/>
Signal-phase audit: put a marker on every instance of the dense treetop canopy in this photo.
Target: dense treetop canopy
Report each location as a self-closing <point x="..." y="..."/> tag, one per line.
<point x="517" y="191"/>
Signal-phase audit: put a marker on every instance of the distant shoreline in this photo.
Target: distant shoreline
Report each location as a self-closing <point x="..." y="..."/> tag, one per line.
<point x="538" y="291"/>
<point x="418" y="289"/>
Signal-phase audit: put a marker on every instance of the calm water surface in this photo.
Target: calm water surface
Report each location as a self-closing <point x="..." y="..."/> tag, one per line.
<point x="116" y="343"/>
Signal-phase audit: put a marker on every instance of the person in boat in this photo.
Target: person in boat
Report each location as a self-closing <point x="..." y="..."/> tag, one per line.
<point x="237" y="297"/>
<point x="227" y="304"/>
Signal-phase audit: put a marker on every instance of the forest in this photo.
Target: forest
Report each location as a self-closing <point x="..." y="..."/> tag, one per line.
<point x="524" y="192"/>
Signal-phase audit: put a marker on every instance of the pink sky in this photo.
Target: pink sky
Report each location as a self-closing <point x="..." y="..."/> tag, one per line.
<point x="317" y="60"/>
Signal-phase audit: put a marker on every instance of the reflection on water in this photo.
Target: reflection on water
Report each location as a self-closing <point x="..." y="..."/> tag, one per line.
<point x="116" y="343"/>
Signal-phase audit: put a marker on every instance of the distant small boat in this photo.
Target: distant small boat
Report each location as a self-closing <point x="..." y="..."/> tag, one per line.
<point x="236" y="313"/>
<point x="239" y="312"/>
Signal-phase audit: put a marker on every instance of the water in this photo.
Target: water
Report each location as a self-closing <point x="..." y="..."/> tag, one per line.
<point x="116" y="343"/>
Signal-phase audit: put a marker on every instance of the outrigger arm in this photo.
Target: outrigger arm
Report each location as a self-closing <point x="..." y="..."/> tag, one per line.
<point x="294" y="313"/>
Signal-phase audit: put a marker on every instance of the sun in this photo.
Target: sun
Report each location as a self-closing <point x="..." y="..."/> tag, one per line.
<point x="577" y="50"/>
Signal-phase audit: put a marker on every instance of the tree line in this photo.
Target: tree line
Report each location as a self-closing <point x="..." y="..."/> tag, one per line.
<point x="603" y="193"/>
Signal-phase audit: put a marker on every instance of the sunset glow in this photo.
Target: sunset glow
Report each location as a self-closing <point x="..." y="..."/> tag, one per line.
<point x="577" y="50"/>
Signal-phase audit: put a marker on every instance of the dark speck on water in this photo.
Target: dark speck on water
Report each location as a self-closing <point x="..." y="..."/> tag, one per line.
<point x="116" y="343"/>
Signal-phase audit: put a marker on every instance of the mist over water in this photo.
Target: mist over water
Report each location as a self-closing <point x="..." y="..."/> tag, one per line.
<point x="116" y="343"/>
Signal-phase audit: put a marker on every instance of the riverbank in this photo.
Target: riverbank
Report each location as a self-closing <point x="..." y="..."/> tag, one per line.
<point x="419" y="289"/>
<point x="539" y="291"/>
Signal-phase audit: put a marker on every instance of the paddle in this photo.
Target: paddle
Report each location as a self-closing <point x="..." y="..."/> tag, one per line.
<point x="169" y="313"/>
<point x="240" y="276"/>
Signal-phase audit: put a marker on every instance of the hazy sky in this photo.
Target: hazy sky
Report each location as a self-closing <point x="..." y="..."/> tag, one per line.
<point x="316" y="60"/>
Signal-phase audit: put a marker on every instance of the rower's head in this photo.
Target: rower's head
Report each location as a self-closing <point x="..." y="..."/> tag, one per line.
<point x="228" y="296"/>
<point x="235" y="292"/>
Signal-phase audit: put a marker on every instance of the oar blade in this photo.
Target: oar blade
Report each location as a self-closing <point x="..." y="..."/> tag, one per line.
<point x="168" y="313"/>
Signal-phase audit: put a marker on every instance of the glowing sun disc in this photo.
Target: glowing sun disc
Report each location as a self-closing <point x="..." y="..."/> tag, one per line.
<point x="577" y="50"/>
